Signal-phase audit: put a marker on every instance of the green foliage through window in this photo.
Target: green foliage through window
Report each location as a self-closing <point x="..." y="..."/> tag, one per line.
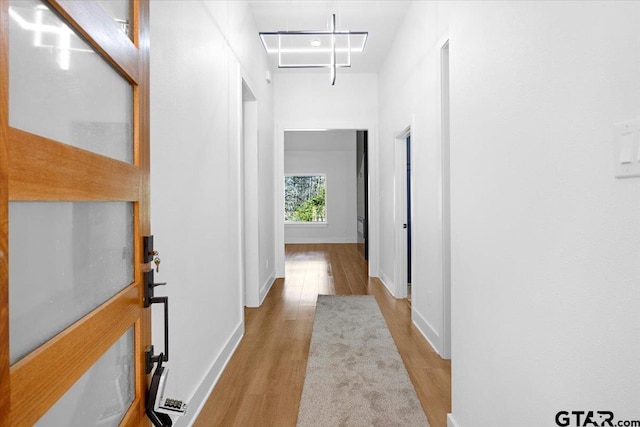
<point x="304" y="198"/>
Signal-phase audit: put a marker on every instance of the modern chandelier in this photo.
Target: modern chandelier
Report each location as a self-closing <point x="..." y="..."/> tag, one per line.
<point x="315" y="49"/>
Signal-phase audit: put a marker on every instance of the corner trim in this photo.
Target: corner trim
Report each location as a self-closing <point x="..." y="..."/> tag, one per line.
<point x="432" y="337"/>
<point x="202" y="392"/>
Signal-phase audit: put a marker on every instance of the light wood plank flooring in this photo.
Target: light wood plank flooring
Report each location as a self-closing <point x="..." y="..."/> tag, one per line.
<point x="262" y="384"/>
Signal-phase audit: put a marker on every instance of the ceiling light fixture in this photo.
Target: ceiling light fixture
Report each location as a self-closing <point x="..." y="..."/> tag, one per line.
<point x="302" y="49"/>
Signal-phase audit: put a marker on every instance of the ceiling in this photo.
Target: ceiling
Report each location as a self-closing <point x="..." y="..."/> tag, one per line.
<point x="381" y="18"/>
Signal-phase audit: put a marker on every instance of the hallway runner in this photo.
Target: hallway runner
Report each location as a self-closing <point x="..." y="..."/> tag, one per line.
<point x="355" y="376"/>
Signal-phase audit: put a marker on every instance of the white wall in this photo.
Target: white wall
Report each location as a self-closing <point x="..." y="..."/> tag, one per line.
<point x="200" y="52"/>
<point x="545" y="248"/>
<point x="410" y="97"/>
<point x="341" y="172"/>
<point x="308" y="101"/>
<point x="235" y="23"/>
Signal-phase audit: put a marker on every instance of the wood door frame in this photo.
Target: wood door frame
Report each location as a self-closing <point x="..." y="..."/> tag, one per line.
<point x="5" y="378"/>
<point x="28" y="389"/>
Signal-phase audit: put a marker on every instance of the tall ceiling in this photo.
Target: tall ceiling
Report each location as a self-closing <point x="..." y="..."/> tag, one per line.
<point x="381" y="18"/>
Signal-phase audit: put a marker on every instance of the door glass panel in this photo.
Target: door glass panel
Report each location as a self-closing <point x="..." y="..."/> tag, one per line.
<point x="66" y="258"/>
<point x="103" y="394"/>
<point x="61" y="89"/>
<point x="120" y="11"/>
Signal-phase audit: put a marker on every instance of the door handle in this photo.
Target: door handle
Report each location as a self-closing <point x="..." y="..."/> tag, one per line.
<point x="158" y="408"/>
<point x="149" y="299"/>
<point x="162" y="357"/>
<point x="149" y="284"/>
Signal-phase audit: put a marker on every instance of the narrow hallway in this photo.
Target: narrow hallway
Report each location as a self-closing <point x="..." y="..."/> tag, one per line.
<point x="262" y="384"/>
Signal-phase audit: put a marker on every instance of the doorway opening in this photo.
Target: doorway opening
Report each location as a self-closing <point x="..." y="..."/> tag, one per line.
<point x="403" y="218"/>
<point x="249" y="209"/>
<point x="283" y="234"/>
<point x="362" y="141"/>
<point x="320" y="186"/>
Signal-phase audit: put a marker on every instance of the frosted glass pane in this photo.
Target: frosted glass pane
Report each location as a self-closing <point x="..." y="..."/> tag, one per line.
<point x="66" y="258"/>
<point x="102" y="395"/>
<point x="120" y="11"/>
<point x="60" y="88"/>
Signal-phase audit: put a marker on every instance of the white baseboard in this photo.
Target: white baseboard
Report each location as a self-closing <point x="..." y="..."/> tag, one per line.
<point x="387" y="282"/>
<point x="308" y="240"/>
<point x="264" y="289"/>
<point x="451" y="422"/>
<point x="199" y="398"/>
<point x="427" y="331"/>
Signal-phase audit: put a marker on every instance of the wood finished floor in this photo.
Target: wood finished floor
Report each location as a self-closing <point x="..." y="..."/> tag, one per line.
<point x="262" y="384"/>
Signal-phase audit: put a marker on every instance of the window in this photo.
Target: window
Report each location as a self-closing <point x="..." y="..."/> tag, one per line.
<point x="304" y="198"/>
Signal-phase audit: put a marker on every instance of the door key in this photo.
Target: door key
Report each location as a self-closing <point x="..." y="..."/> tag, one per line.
<point x="156" y="261"/>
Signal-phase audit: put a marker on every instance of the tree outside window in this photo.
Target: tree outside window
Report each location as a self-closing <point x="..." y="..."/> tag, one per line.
<point x="305" y="198"/>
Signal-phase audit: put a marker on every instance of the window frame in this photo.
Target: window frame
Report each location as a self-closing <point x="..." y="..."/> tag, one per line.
<point x="324" y="223"/>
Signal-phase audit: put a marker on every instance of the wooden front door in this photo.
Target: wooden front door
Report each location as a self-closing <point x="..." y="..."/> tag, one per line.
<point x="74" y="205"/>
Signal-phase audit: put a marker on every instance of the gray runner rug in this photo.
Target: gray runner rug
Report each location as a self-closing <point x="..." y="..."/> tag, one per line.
<point x="355" y="376"/>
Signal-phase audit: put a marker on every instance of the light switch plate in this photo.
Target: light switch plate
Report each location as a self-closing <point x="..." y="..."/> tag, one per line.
<point x="626" y="149"/>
